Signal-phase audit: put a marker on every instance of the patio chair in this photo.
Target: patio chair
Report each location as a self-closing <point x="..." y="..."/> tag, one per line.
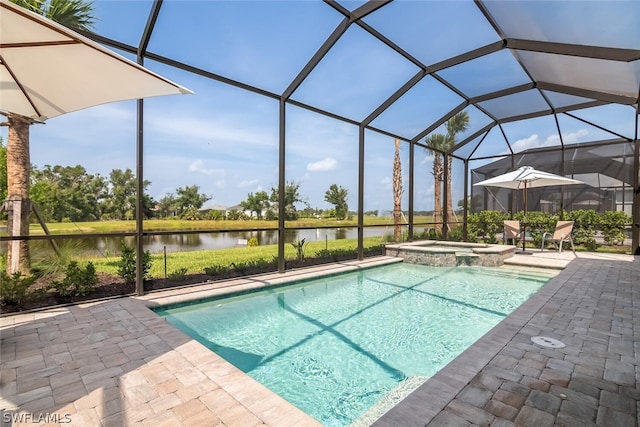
<point x="561" y="234"/>
<point x="511" y="231"/>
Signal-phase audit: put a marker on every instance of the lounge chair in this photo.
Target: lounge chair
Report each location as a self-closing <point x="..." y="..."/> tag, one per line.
<point x="561" y="234"/>
<point x="511" y="231"/>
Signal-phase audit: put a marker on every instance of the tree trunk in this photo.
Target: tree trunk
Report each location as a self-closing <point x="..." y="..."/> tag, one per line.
<point x="437" y="192"/>
<point x="450" y="213"/>
<point x="18" y="205"/>
<point x="397" y="194"/>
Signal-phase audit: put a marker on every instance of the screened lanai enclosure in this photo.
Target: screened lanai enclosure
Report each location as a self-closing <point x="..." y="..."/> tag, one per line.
<point x="316" y="93"/>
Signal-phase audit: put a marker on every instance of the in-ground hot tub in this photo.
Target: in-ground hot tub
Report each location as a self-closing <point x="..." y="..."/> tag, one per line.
<point x="450" y="254"/>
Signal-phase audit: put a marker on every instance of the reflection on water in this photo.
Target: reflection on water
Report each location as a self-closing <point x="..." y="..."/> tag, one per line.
<point x="110" y="246"/>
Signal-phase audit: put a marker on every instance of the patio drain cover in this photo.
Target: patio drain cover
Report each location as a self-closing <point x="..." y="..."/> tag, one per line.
<point x="548" y="342"/>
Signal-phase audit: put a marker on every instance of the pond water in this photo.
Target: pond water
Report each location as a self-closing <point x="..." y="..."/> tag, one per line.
<point x="107" y="246"/>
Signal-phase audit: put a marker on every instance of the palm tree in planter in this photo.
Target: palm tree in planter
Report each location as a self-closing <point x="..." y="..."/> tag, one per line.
<point x="75" y="14"/>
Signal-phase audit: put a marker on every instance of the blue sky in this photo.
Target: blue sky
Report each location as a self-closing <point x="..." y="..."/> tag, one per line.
<point x="225" y="140"/>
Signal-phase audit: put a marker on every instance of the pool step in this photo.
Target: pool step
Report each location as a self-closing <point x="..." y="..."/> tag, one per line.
<point x="466" y="258"/>
<point x="391" y="399"/>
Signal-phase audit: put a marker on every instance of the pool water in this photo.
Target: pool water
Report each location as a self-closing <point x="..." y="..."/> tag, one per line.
<point x="339" y="345"/>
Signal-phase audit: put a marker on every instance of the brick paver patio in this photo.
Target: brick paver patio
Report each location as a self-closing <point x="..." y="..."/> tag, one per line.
<point x="116" y="363"/>
<point x="505" y="379"/>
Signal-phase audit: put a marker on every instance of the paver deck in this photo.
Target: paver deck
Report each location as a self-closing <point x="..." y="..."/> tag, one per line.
<point x="116" y="363"/>
<point x="504" y="379"/>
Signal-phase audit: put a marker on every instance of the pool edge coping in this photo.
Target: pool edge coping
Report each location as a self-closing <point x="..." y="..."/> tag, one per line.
<point x="238" y="286"/>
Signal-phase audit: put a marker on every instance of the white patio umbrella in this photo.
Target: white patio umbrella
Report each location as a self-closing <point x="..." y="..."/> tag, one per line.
<point x="523" y="178"/>
<point x="47" y="69"/>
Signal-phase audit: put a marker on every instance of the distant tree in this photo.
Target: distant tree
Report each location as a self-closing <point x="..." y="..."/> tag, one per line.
<point x="44" y="196"/>
<point x="291" y="197"/>
<point x="120" y="202"/>
<point x="257" y="203"/>
<point x="167" y="206"/>
<point x="148" y="204"/>
<point x="337" y="196"/>
<point x="190" y="196"/>
<point x="67" y="193"/>
<point x="309" y="212"/>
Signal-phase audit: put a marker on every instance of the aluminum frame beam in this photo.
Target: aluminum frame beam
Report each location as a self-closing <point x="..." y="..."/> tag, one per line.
<point x="583" y="51"/>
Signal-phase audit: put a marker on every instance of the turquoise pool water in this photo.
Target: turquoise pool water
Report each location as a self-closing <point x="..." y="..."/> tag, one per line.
<point x="337" y="346"/>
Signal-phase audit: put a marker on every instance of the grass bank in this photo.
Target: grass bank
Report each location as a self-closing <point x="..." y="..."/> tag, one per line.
<point x="182" y="225"/>
<point x="196" y="261"/>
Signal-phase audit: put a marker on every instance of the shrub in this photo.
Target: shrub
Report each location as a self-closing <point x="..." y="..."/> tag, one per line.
<point x="455" y="234"/>
<point x="127" y="264"/>
<point x="427" y="234"/>
<point x="584" y="228"/>
<point x="612" y="224"/>
<point x="240" y="267"/>
<point x="234" y="215"/>
<point x="537" y="224"/>
<point x="485" y="224"/>
<point x="179" y="274"/>
<point x="191" y="214"/>
<point x="337" y="254"/>
<point x="214" y="270"/>
<point x="252" y="242"/>
<point x="77" y="281"/>
<point x="215" y="215"/>
<point x="14" y="289"/>
<point x="299" y="246"/>
<point x="265" y="264"/>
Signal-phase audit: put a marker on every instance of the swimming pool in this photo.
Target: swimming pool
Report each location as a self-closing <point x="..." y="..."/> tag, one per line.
<point x="337" y="346"/>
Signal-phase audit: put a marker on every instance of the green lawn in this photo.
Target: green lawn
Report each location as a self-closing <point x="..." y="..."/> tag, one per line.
<point x="179" y="225"/>
<point x="197" y="261"/>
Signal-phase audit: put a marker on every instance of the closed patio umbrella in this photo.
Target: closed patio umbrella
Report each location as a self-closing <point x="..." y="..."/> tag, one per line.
<point x="523" y="178"/>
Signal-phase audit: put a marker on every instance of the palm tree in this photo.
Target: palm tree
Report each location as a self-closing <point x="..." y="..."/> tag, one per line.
<point x="397" y="194"/>
<point x="435" y="142"/>
<point x="456" y="124"/>
<point x="439" y="143"/>
<point x="76" y="14"/>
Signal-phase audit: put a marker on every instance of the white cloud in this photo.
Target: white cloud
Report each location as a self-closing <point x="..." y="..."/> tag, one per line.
<point x="323" y="165"/>
<point x="427" y="159"/>
<point x="247" y="183"/>
<point x="197" y="166"/>
<point x="570" y="138"/>
<point x="386" y="183"/>
<point x="534" y="141"/>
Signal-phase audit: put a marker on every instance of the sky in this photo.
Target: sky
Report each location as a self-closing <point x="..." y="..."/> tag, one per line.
<point x="225" y="139"/>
